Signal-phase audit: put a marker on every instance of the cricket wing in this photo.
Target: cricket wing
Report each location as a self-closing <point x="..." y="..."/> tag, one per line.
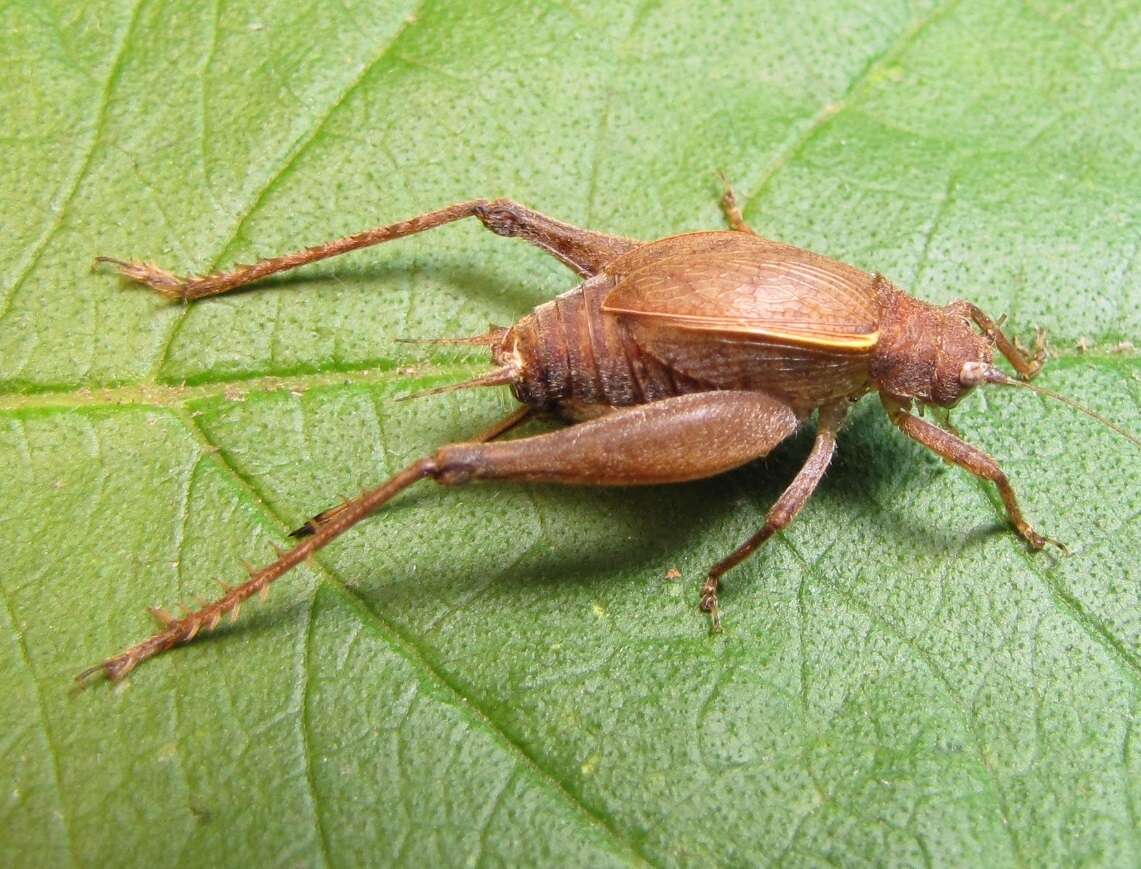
<point x="741" y="287"/>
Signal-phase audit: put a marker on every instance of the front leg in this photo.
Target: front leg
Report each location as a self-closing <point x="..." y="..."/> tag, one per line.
<point x="1026" y="363"/>
<point x="968" y="457"/>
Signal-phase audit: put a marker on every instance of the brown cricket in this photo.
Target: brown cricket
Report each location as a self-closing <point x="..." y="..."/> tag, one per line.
<point x="674" y="360"/>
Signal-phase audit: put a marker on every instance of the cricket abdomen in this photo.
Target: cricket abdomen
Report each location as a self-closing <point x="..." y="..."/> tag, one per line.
<point x="568" y="354"/>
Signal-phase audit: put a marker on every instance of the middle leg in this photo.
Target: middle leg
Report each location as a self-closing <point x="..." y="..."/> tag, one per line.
<point x="732" y="210"/>
<point x="785" y="508"/>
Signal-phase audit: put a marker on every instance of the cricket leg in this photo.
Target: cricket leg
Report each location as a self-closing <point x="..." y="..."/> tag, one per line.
<point x="732" y="210"/>
<point x="957" y="451"/>
<point x="318" y="531"/>
<point x="1024" y="363"/>
<point x="512" y="420"/>
<point x="680" y="438"/>
<point x="786" y="506"/>
<point x="583" y="251"/>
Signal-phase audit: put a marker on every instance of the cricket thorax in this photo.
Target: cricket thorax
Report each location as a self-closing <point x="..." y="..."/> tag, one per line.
<point x="922" y="350"/>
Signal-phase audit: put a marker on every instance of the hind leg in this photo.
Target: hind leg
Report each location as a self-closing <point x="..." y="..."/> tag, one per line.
<point x="512" y="420"/>
<point x="583" y="251"/>
<point x="685" y="437"/>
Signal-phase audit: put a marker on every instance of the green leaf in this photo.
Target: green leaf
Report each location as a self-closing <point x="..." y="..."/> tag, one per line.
<point x="504" y="675"/>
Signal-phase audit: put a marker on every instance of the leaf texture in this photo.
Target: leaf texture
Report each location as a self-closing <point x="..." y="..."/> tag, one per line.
<point x="502" y="675"/>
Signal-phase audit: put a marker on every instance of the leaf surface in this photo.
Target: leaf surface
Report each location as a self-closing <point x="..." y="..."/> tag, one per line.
<point x="504" y="675"/>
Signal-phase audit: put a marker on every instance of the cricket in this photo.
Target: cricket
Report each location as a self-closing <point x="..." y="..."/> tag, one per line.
<point x="672" y="360"/>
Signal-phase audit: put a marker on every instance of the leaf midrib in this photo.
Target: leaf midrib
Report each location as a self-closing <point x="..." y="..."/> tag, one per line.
<point x="405" y="645"/>
<point x="414" y="375"/>
<point x="292" y="155"/>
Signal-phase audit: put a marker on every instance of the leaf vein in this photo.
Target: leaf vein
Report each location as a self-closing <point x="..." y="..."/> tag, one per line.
<point x="796" y="144"/>
<point x="45" y="727"/>
<point x="1124" y="363"/>
<point x="306" y="728"/>
<point x="83" y="165"/>
<point x="406" y="646"/>
<point x="299" y="148"/>
<point x="929" y="661"/>
<point x="1128" y="662"/>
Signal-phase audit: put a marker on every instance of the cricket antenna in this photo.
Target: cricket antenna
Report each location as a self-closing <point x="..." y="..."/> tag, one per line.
<point x="975" y="373"/>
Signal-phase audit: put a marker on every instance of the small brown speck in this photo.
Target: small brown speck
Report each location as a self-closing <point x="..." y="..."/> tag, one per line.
<point x="673" y="573"/>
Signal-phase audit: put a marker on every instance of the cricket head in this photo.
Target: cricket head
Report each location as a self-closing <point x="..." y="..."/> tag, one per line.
<point x="934" y="355"/>
<point x="924" y="350"/>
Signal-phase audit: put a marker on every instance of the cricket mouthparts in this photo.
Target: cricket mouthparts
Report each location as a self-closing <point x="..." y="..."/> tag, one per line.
<point x="977" y="373"/>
